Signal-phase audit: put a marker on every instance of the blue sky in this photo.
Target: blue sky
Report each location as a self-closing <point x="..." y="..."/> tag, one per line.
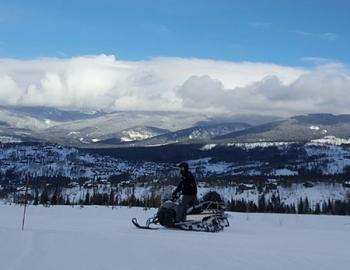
<point x="271" y="31"/>
<point x="272" y="57"/>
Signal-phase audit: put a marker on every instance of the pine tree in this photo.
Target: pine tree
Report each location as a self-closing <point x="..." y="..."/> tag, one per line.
<point x="307" y="209"/>
<point x="111" y="200"/>
<point x="54" y="199"/>
<point x="317" y="209"/>
<point x="324" y="208"/>
<point x="301" y="206"/>
<point x="67" y="202"/>
<point x="105" y="199"/>
<point x="44" y="198"/>
<point x="262" y="204"/>
<point x="269" y="207"/>
<point x="293" y="209"/>
<point x="36" y="198"/>
<point x="87" y="198"/>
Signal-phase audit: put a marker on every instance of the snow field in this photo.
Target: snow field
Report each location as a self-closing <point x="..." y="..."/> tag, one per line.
<point x="101" y="238"/>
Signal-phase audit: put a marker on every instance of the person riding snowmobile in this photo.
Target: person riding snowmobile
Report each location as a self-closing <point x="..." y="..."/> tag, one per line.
<point x="188" y="189"/>
<point x="211" y="216"/>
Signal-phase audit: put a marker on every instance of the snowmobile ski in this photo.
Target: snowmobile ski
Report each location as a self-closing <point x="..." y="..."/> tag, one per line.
<point x="145" y="227"/>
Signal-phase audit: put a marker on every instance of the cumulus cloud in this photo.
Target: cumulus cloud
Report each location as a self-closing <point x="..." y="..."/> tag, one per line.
<point x="314" y="91"/>
<point x="201" y="92"/>
<point x="103" y="82"/>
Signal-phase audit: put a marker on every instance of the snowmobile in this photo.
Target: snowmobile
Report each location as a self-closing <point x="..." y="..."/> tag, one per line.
<point x="207" y="215"/>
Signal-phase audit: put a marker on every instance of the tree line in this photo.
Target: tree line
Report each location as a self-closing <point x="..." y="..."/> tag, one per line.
<point x="274" y="205"/>
<point x="271" y="205"/>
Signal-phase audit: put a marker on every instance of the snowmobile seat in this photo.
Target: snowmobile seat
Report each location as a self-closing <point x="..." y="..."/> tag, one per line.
<point x="195" y="208"/>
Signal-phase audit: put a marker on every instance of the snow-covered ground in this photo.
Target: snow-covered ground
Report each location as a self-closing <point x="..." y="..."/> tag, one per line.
<point x="101" y="238"/>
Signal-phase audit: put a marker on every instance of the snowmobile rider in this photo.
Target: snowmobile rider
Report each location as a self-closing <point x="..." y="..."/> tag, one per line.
<point x="188" y="189"/>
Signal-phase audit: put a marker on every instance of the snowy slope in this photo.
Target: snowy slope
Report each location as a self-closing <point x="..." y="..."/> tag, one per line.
<point x="297" y="128"/>
<point x="205" y="132"/>
<point x="13" y="120"/>
<point x="106" y="126"/>
<point x="95" y="238"/>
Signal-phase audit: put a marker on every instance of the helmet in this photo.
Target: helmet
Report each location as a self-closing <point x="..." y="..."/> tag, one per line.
<point x="184" y="165"/>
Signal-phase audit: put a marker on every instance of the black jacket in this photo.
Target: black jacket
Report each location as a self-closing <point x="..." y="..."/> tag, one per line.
<point x="187" y="185"/>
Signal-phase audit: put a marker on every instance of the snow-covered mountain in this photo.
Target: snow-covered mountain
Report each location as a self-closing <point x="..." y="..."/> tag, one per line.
<point x="82" y="128"/>
<point x="141" y="128"/>
<point x="29" y="123"/>
<point x="133" y="134"/>
<point x="111" y="125"/>
<point x="194" y="134"/>
<point x="298" y="129"/>
<point x="52" y="114"/>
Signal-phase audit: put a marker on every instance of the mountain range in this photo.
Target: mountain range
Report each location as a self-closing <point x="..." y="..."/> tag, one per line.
<point x="146" y="128"/>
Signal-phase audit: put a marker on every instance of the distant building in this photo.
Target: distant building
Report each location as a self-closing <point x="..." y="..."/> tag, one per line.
<point x="308" y="184"/>
<point x="243" y="186"/>
<point x="271" y="185"/>
<point x="346" y="184"/>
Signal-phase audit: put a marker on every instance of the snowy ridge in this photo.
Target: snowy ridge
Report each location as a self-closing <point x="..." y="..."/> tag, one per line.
<point x="280" y="145"/>
<point x="317" y="128"/>
<point x="19" y="121"/>
<point x="55" y="160"/>
<point x="138" y="134"/>
<point x="196" y="133"/>
<point x="208" y="147"/>
<point x="8" y="139"/>
<point x="140" y="128"/>
<point x="331" y="140"/>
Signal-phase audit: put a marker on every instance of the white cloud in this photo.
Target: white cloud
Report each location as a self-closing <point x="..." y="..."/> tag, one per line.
<point x="329" y="36"/>
<point x="201" y="92"/>
<point x="314" y="91"/>
<point x="318" y="60"/>
<point x="257" y="25"/>
<point x="155" y="28"/>
<point x="9" y="91"/>
<point x="103" y="82"/>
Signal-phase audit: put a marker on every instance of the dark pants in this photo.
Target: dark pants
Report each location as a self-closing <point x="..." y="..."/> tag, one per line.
<point x="186" y="201"/>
